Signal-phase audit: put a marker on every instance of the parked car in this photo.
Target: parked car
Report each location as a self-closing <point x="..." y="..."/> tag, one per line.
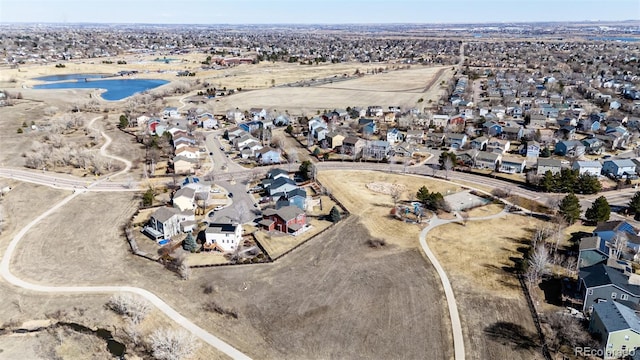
<point x="230" y="195"/>
<point x="219" y="207"/>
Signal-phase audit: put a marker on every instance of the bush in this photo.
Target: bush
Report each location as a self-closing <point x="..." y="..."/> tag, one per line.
<point x="131" y="306"/>
<point x="168" y="344"/>
<point x="20" y="131"/>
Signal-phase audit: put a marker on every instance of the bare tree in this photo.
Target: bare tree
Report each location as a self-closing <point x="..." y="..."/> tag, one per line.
<point x="619" y="240"/>
<point x="169" y="344"/>
<point x="395" y="191"/>
<point x="131" y="306"/>
<point x="447" y="165"/>
<point x="539" y="262"/>
<point x="560" y="223"/>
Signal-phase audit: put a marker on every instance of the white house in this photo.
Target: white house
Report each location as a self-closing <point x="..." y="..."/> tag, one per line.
<point x="512" y="164"/>
<point x="171" y="112"/>
<point x="394" y="136"/>
<point x="223" y="236"/>
<point x="593" y="168"/>
<point x="440" y="120"/>
<point x="166" y="222"/>
<point x="184" y="199"/>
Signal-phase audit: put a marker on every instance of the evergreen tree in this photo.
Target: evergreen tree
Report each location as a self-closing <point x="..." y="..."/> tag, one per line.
<point x="588" y="184"/>
<point x="334" y="214"/>
<point x="570" y="208"/>
<point x="423" y="194"/>
<point x="304" y="168"/>
<point x="634" y="205"/>
<point x="545" y="153"/>
<point x="599" y="211"/>
<point x="147" y="198"/>
<point x="548" y="183"/>
<point x="189" y="243"/>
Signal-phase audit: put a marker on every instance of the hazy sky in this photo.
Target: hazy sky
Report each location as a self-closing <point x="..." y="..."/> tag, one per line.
<point x="316" y="11"/>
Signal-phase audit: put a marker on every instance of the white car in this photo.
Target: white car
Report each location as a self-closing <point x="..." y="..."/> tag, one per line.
<point x="219" y="207"/>
<point x="215" y="190"/>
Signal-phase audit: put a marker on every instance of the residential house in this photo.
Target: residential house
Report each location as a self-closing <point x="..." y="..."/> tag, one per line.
<point x="167" y="222"/>
<point x="479" y="143"/>
<point x="287" y="219"/>
<point x="367" y="126"/>
<point x="617" y="326"/>
<point x="280" y="186"/>
<point x="251" y="126"/>
<point x="184" y="199"/>
<point x="593" y="168"/>
<point x="377" y="149"/>
<point x="207" y="121"/>
<point x="268" y="155"/>
<point x="375" y="111"/>
<point x="512" y="164"/>
<point x="533" y="149"/>
<point x="434" y="139"/>
<point x="415" y="136"/>
<point x="588" y="124"/>
<point x="571" y="148"/>
<point x="296" y="197"/>
<point x="276" y="173"/>
<point x="222" y="236"/>
<point x="593" y="146"/>
<point x="538" y="120"/>
<point x="456" y="141"/>
<point x="500" y="146"/>
<point x="567" y="132"/>
<point x="544" y="165"/>
<point x="619" y="168"/>
<point x="608" y="230"/>
<point x="334" y="139"/>
<point x="600" y="283"/>
<point x="353" y="145"/>
<point x="593" y="250"/>
<point x="243" y="141"/>
<point x="171" y="112"/>
<point x="439" y="120"/>
<point x="468" y="157"/>
<point x="235" y="132"/>
<point x="188" y="152"/>
<point x="184" y="165"/>
<point x="512" y="132"/>
<point x="394" y="136"/>
<point x="258" y="113"/>
<point x="487" y="160"/>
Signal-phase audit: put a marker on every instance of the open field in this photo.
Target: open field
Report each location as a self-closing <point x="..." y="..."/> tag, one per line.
<point x="320" y="302"/>
<point x="478" y="259"/>
<point x="486" y="210"/>
<point x="282" y="313"/>
<point x="406" y="88"/>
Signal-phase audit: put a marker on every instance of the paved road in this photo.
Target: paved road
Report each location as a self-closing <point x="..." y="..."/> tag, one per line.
<point x="5" y="264"/>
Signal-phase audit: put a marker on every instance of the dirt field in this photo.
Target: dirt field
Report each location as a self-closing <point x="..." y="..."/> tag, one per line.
<point x="318" y="302"/>
<point x="402" y="88"/>
<point x="496" y="320"/>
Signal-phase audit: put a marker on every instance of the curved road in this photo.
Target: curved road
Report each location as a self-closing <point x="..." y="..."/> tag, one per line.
<point x="5" y="271"/>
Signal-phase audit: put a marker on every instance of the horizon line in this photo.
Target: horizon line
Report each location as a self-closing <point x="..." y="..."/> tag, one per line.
<point x="324" y="24"/>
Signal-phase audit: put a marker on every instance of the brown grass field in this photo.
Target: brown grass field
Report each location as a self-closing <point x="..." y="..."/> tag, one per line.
<point x="496" y="321"/>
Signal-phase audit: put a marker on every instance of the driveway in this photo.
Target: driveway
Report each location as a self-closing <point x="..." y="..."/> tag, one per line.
<point x="242" y="207"/>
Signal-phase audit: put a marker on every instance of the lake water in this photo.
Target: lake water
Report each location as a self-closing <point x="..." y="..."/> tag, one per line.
<point x="67" y="77"/>
<point x="115" y="89"/>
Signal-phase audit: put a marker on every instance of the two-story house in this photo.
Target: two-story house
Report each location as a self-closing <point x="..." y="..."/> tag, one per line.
<point x="222" y="236"/>
<point x="604" y="283"/>
<point x="618" y="327"/>
<point x="593" y="168"/>
<point x="287" y="219"/>
<point x="619" y="168"/>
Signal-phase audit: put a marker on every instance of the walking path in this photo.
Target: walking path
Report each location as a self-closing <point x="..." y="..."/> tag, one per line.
<point x="5" y="271"/>
<point x="456" y="326"/>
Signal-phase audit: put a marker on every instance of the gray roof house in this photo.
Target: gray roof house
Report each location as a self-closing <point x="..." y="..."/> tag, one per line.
<point x="618" y="327"/>
<point x="593" y="168"/>
<point x="604" y="283"/>
<point x="545" y="165"/>
<point x="487" y="160"/>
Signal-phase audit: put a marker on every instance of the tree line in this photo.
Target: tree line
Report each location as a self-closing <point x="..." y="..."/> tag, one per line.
<point x="569" y="180"/>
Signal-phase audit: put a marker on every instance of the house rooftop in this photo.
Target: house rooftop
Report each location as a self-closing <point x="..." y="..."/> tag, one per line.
<point x="185" y="192"/>
<point x="549" y="162"/>
<point x="617" y="317"/>
<point x="600" y="274"/>
<point x="221" y="228"/>
<point x="286" y="213"/>
<point x="163" y="214"/>
<point x="589" y="164"/>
